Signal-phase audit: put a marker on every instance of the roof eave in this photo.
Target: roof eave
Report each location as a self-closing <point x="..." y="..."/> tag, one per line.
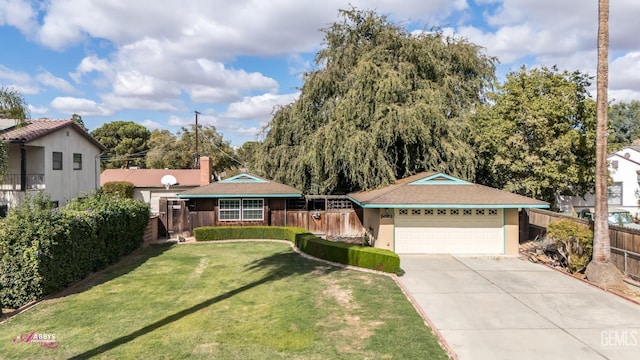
<point x="213" y="196"/>
<point x="450" y="206"/>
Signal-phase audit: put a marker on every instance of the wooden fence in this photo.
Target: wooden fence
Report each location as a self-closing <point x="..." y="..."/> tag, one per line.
<point x="151" y="231"/>
<point x="345" y="223"/>
<point x="625" y="242"/>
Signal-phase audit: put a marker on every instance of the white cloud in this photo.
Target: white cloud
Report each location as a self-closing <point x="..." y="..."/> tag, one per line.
<point x="625" y="72"/>
<point x="178" y="121"/>
<point x="87" y="65"/>
<point x="19" y="81"/>
<point x="38" y="110"/>
<point x="48" y="79"/>
<point x="258" y="107"/>
<point x="18" y="13"/>
<point x="116" y="103"/>
<point x="80" y="106"/>
<point x="151" y="125"/>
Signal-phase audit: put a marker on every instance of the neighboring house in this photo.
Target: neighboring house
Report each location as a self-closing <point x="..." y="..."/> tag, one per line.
<point x="149" y="185"/>
<point x="622" y="192"/>
<point x="433" y="213"/>
<point x="55" y="156"/>
<point x="243" y="199"/>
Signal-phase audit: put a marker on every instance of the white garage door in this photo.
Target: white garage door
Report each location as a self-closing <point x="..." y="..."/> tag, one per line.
<point x="449" y="231"/>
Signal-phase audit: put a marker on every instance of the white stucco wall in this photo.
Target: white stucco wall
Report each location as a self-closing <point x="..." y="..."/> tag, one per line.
<point x="625" y="173"/>
<point x="67" y="183"/>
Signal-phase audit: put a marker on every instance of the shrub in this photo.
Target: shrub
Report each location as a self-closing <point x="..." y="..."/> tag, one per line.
<point x="348" y="254"/>
<point x="122" y="189"/>
<point x="574" y="242"/>
<point x="46" y="249"/>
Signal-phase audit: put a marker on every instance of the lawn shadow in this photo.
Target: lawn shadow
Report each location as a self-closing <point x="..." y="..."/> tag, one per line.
<point x="275" y="267"/>
<point x="124" y="266"/>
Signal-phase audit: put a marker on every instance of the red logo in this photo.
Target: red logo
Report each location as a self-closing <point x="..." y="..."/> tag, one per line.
<point x="45" y="340"/>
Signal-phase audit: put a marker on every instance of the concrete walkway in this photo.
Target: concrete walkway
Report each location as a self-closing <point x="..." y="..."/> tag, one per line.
<point x="510" y="308"/>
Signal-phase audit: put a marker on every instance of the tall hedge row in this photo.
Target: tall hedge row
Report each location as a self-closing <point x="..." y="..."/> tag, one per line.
<point x="44" y="249"/>
<point x="344" y="253"/>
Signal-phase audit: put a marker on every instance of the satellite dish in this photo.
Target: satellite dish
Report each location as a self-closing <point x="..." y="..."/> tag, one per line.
<point x="168" y="180"/>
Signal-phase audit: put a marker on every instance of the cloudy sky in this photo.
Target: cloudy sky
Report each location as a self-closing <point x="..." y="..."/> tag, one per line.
<point x="155" y="62"/>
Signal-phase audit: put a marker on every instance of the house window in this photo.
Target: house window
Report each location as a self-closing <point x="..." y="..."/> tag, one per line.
<point x="241" y="209"/>
<point x="57" y="160"/>
<point x="252" y="209"/>
<point x="614" y="194"/>
<point x="77" y="161"/>
<point x="229" y="209"/>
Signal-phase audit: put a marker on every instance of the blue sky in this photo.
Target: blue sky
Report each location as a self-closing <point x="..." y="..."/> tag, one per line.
<point x="155" y="62"/>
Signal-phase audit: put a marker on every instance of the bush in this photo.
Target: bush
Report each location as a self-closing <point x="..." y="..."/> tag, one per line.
<point x="46" y="249"/>
<point x="574" y="242"/>
<point x="122" y="189"/>
<point x="348" y="254"/>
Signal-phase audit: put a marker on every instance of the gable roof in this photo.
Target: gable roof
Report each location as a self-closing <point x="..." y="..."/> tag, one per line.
<point x="35" y="129"/>
<point x="437" y="190"/>
<point x="151" y="177"/>
<point x="243" y="185"/>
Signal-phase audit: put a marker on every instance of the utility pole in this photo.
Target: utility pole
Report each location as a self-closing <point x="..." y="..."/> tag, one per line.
<point x="197" y="153"/>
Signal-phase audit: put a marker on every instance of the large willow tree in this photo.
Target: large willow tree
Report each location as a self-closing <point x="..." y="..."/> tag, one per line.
<point x="383" y="104"/>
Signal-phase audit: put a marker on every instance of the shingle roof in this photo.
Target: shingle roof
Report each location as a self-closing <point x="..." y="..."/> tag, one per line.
<point x="151" y="177"/>
<point x="245" y="185"/>
<point x="418" y="191"/>
<point x="35" y="129"/>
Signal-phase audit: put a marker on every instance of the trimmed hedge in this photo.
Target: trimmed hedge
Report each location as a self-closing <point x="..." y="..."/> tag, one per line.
<point x="123" y="189"/>
<point x="344" y="253"/>
<point x="46" y="249"/>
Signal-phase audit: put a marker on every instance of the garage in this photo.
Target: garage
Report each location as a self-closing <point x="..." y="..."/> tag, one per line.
<point x="449" y="231"/>
<point x="435" y="213"/>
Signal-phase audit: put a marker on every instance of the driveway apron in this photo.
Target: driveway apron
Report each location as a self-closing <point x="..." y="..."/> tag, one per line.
<point x="510" y="308"/>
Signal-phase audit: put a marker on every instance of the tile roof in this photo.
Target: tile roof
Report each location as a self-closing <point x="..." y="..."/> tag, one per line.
<point x="151" y="177"/>
<point x="256" y="186"/>
<point x="35" y="129"/>
<point x="439" y="194"/>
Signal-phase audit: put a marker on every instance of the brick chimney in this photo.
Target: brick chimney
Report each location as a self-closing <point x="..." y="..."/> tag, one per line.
<point x="205" y="170"/>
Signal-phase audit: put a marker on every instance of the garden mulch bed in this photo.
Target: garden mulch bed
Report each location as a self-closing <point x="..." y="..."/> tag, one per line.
<point x="529" y="249"/>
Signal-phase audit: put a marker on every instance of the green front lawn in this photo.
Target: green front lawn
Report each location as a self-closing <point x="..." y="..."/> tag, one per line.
<point x="249" y="300"/>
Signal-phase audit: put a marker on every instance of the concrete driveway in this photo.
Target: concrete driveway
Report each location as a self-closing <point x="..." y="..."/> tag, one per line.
<point x="510" y="308"/>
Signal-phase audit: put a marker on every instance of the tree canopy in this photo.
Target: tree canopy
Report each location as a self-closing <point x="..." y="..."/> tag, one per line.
<point x="537" y="138"/>
<point x="624" y="124"/>
<point x="383" y="104"/>
<point x="126" y="143"/>
<point x="12" y="106"/>
<point x="167" y="150"/>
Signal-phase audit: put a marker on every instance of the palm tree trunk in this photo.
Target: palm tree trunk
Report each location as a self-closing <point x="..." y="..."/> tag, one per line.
<point x="601" y="241"/>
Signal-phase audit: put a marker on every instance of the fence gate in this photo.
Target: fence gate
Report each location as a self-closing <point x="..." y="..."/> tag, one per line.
<point x="174" y="216"/>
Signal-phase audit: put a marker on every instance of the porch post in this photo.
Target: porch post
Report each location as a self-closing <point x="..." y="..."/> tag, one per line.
<point x="23" y="167"/>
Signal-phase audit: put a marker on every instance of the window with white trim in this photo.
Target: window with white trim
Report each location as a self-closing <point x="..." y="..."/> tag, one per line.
<point x="241" y="209"/>
<point x="614" y="194"/>
<point x="252" y="209"/>
<point x="229" y="209"/>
